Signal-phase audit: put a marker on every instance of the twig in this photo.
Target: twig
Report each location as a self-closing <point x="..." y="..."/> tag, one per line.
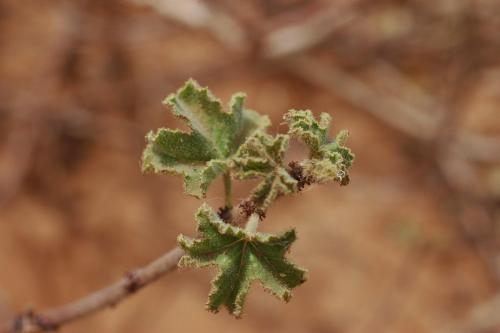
<point x="296" y="38"/>
<point x="479" y="148"/>
<point x="197" y="15"/>
<point x="400" y="84"/>
<point x="299" y="37"/>
<point x="391" y="110"/>
<point x="484" y="318"/>
<point x="107" y="297"/>
<point x="110" y="296"/>
<point x="452" y="161"/>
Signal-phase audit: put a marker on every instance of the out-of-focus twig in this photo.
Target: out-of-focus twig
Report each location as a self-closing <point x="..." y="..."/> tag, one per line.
<point x="483" y="318"/>
<point x="305" y="34"/>
<point x="479" y="148"/>
<point x="394" y="111"/>
<point x="453" y="163"/>
<point x="397" y="83"/>
<point x="420" y="119"/>
<point x="196" y="14"/>
<point x="391" y="110"/>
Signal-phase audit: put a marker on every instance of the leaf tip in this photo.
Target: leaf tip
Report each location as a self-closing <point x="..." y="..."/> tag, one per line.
<point x="211" y="308"/>
<point x="183" y="241"/>
<point x="342" y="137"/>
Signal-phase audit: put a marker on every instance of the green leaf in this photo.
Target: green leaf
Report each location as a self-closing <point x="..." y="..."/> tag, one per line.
<point x="205" y="152"/>
<point x="262" y="156"/>
<point x="188" y="154"/>
<point x="329" y="159"/>
<point x="241" y="258"/>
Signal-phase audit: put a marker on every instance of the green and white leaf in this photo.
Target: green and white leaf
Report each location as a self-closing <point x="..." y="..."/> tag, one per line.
<point x="241" y="258"/>
<point x="205" y="152"/>
<point x="262" y="156"/>
<point x="329" y="159"/>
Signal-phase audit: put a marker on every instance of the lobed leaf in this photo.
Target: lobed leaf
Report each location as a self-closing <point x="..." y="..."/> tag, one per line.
<point x="262" y="155"/>
<point x="204" y="153"/>
<point x="303" y="126"/>
<point x="329" y="159"/>
<point x="241" y="258"/>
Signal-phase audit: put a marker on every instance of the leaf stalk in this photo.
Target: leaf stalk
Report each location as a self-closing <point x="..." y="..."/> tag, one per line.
<point x="228" y="190"/>
<point x="253" y="223"/>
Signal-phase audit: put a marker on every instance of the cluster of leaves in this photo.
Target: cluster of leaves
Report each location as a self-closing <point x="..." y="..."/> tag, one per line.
<point x="235" y="143"/>
<point x="208" y="150"/>
<point x="328" y="159"/>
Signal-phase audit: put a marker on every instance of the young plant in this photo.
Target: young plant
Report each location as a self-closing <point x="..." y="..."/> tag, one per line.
<point x="235" y="144"/>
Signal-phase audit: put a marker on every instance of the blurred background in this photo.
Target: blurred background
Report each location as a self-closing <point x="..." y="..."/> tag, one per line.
<point x="411" y="245"/>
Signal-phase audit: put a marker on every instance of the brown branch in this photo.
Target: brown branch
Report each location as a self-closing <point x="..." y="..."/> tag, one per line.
<point x="392" y="110"/>
<point x="479" y="148"/>
<point x="52" y="319"/>
<point x="110" y="296"/>
<point x="197" y="15"/>
<point x="309" y="32"/>
<point x="483" y="318"/>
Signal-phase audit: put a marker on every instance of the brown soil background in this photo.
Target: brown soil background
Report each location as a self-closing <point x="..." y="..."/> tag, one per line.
<point x="400" y="249"/>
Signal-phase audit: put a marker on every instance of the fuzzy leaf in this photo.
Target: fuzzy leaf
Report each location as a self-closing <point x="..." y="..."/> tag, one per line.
<point x="329" y="159"/>
<point x="205" y="152"/>
<point x="273" y="186"/>
<point x="262" y="156"/>
<point x="188" y="154"/>
<point x="241" y="258"/>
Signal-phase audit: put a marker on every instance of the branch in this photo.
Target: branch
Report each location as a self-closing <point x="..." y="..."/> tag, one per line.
<point x="480" y="148"/>
<point x="483" y="318"/>
<point x="52" y="319"/>
<point x="392" y="110"/>
<point x="309" y="32"/>
<point x="197" y="15"/>
<point x="110" y="296"/>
